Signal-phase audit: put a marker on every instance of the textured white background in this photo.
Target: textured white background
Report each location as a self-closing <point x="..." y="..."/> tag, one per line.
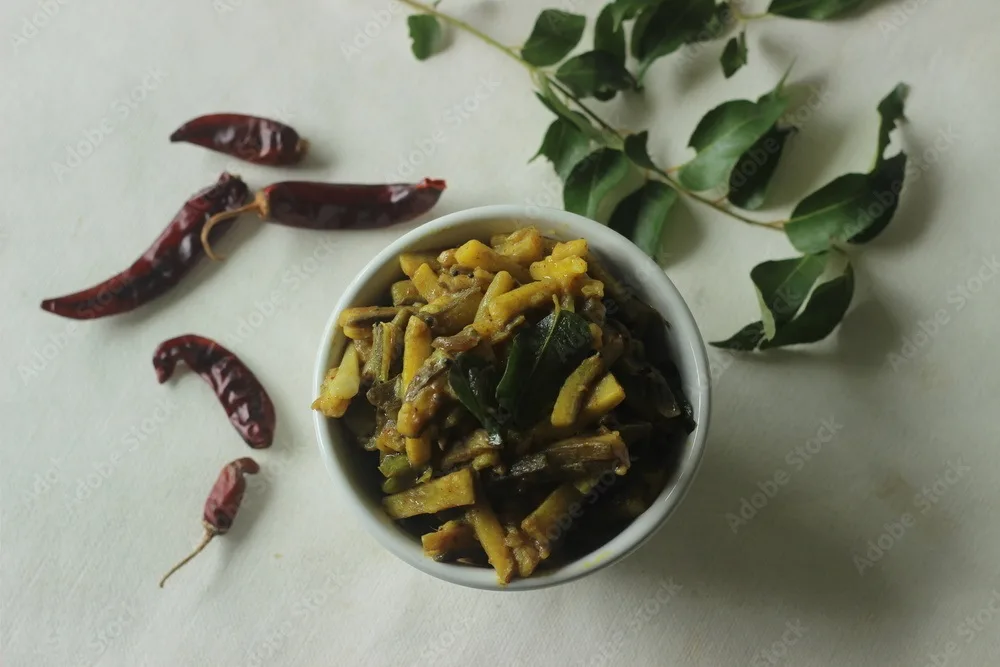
<point x="104" y="471"/>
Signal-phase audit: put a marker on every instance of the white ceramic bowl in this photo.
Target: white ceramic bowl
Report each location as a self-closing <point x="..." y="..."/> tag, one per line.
<point x="622" y="258"/>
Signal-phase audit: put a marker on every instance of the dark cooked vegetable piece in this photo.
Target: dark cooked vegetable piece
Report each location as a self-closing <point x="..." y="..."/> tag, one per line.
<point x="521" y="405"/>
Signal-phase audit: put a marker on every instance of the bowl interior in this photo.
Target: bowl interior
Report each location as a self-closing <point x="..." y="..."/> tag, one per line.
<point x="633" y="268"/>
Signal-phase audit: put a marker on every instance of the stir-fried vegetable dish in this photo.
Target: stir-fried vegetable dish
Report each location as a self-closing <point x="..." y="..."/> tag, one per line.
<point x="516" y="402"/>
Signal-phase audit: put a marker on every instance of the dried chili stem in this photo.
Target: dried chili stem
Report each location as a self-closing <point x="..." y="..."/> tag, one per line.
<point x="258" y="206"/>
<point x="664" y="176"/>
<point x="205" y="539"/>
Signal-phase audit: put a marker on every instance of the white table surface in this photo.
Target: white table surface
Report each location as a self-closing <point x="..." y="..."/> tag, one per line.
<point x="104" y="471"/>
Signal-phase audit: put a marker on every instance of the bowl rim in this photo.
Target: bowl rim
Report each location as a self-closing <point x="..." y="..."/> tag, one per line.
<point x="686" y="336"/>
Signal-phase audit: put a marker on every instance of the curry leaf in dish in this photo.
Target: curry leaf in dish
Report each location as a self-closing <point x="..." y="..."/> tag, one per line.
<point x="474" y="381"/>
<point x="539" y="360"/>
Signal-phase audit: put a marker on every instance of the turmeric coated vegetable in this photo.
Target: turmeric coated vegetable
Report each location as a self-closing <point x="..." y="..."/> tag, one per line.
<point x="454" y="490"/>
<point x="563" y="271"/>
<point x="416" y="348"/>
<point x="475" y="254"/>
<point x="515" y="397"/>
<point x="507" y="306"/>
<point x="524" y="246"/>
<point x="450" y="541"/>
<point x="490" y="534"/>
<point x="577" y="385"/>
<point x="502" y="283"/>
<point x="326" y="402"/>
<point x="426" y="282"/>
<point x="545" y="525"/>
<point x="404" y="293"/>
<point x="450" y="313"/>
<point x="409" y="262"/>
<point x="414" y="414"/>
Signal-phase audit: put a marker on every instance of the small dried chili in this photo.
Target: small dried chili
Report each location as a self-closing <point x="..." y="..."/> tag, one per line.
<point x="222" y="505"/>
<point x="163" y="265"/>
<point x="257" y="140"/>
<point x="249" y="407"/>
<point x="311" y="205"/>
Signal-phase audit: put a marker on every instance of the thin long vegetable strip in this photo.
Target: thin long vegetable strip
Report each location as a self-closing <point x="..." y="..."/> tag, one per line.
<point x="454" y="490"/>
<point x="490" y="534"/>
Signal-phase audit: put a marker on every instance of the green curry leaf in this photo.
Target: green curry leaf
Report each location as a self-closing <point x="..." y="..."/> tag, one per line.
<point x="734" y="56"/>
<point x="553" y="37"/>
<point x="661" y="29"/>
<point x="642" y="215"/>
<point x="624" y="10"/>
<point x="593" y="179"/>
<point x="752" y="174"/>
<point x="473" y="380"/>
<point x="724" y="135"/>
<point x="635" y="150"/>
<point x="540" y="359"/>
<point x="852" y="207"/>
<point x="820" y="316"/>
<point x="550" y="99"/>
<point x="609" y="35"/>
<point x="817" y="10"/>
<point x="426" y="35"/>
<point x="564" y="145"/>
<point x="746" y="339"/>
<point x="782" y="287"/>
<point x="595" y="74"/>
<point x="891" y="112"/>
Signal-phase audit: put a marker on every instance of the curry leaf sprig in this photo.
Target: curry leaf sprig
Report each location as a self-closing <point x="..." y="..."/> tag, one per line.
<point x="609" y="175"/>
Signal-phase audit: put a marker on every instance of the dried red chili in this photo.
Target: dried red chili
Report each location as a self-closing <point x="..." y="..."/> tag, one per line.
<point x="250" y="138"/>
<point x="311" y="205"/>
<point x="163" y="265"/>
<point x="221" y="506"/>
<point x="250" y="409"/>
